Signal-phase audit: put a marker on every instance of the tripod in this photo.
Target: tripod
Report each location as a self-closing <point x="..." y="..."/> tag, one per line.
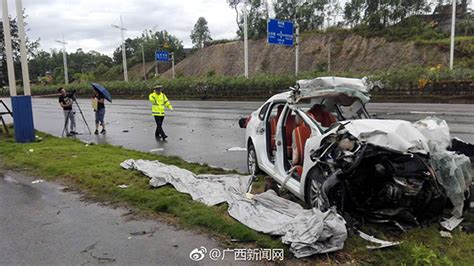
<point x="70" y="113"/>
<point x="1" y="118"/>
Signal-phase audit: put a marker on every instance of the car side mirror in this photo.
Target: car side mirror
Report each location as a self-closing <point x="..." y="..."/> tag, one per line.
<point x="243" y="122"/>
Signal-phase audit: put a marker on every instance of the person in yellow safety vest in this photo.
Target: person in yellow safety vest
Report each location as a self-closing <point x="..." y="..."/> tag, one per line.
<point x="159" y="100"/>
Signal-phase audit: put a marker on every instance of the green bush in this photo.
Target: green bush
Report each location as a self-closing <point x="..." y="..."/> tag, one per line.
<point x="213" y="86"/>
<point x="210" y="86"/>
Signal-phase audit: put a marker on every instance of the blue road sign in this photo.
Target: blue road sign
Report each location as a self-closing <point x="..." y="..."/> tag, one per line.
<point x="280" y="32"/>
<point x="162" y="56"/>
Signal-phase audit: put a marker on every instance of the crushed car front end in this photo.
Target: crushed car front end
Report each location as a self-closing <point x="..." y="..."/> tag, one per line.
<point x="367" y="175"/>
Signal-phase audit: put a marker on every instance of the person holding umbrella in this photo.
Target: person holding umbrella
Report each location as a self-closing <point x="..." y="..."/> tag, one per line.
<point x="159" y="101"/>
<point x="100" y="95"/>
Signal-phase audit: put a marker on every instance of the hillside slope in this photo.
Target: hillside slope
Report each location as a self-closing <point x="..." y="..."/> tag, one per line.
<point x="348" y="53"/>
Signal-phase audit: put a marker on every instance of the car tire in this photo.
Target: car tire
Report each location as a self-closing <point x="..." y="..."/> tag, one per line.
<point x="252" y="162"/>
<point x="313" y="184"/>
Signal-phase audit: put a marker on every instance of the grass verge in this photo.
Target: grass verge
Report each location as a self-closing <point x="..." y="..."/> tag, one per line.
<point x="95" y="170"/>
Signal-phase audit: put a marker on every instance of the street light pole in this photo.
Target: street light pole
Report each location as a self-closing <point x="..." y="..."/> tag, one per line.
<point x="297" y="48"/>
<point x="23" y="57"/>
<point x="66" y="76"/>
<point x="8" y="48"/>
<point x="246" y="45"/>
<point x="172" y="63"/>
<point x="143" y="58"/>
<point x="329" y="56"/>
<point x="453" y="27"/>
<point x="124" y="55"/>
<point x="21" y="105"/>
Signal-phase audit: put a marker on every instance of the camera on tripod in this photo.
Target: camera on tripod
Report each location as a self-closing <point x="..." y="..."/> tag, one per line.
<point x="73" y="94"/>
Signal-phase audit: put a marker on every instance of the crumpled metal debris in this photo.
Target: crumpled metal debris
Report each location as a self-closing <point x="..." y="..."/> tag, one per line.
<point x="453" y="170"/>
<point x="445" y="234"/>
<point x="381" y="243"/>
<point x="397" y="135"/>
<point x="307" y="232"/>
<point x="451" y="223"/>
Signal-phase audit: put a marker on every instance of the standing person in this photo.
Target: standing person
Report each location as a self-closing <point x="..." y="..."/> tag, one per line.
<point x="66" y="101"/>
<point x="159" y="100"/>
<point x="99" y="110"/>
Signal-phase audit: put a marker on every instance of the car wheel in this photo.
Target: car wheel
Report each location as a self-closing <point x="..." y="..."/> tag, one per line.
<point x="313" y="192"/>
<point x="252" y="162"/>
<point x="313" y="186"/>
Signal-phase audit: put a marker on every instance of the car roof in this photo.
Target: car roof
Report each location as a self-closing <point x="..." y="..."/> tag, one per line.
<point x="326" y="86"/>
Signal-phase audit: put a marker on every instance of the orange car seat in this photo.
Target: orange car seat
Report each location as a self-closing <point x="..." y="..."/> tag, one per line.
<point x="300" y="135"/>
<point x="289" y="126"/>
<point x="324" y="117"/>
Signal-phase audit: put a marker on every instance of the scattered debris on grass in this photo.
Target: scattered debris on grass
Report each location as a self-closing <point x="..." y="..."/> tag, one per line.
<point x="451" y="223"/>
<point x="381" y="243"/>
<point x="445" y="234"/>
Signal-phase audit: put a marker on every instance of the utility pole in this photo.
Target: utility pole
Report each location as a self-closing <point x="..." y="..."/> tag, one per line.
<point x="143" y="58"/>
<point x="23" y="56"/>
<point x="246" y="45"/>
<point x="297" y="47"/>
<point x="8" y="48"/>
<point x="124" y="55"/>
<point x="66" y="76"/>
<point x="329" y="56"/>
<point x="453" y="28"/>
<point x="21" y="105"/>
<point x="172" y="63"/>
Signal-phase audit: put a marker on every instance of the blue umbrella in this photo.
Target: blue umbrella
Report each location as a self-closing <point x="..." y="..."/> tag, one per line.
<point x="102" y="91"/>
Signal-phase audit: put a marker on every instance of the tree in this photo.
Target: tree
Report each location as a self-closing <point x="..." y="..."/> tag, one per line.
<point x="80" y="65"/>
<point x="200" y="34"/>
<point x="378" y="14"/>
<point x="257" y="16"/>
<point x="30" y="46"/>
<point x="308" y="14"/>
<point x="151" y="41"/>
<point x="353" y="12"/>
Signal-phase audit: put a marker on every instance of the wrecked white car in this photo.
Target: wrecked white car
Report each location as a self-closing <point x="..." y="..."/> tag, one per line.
<point x="319" y="142"/>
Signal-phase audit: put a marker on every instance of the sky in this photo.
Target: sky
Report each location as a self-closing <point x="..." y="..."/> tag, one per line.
<point x="87" y="24"/>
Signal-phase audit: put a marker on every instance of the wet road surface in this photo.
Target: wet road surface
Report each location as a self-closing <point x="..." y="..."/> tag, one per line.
<point x="202" y="131"/>
<point x="40" y="224"/>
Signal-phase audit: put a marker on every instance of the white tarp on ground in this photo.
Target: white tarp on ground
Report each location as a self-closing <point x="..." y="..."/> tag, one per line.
<point x="306" y="231"/>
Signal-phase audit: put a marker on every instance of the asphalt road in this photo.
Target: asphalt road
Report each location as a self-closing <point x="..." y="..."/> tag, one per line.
<point x="40" y="224"/>
<point x="203" y="131"/>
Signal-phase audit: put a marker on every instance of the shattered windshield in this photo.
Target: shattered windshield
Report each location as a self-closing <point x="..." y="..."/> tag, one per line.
<point x="325" y="111"/>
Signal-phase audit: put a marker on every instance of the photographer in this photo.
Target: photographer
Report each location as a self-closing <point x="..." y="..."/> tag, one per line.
<point x="66" y="101"/>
